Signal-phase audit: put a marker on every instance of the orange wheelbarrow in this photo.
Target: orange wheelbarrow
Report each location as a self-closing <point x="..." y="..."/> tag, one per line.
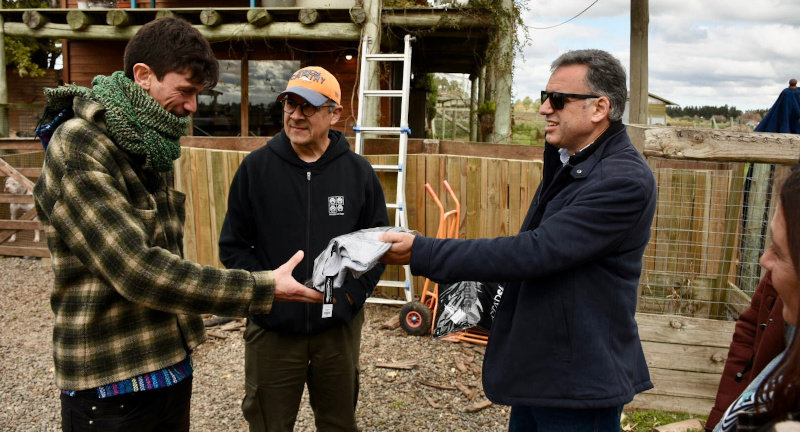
<point x="417" y="317"/>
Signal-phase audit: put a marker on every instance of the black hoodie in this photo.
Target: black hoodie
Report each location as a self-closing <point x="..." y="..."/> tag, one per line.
<point x="278" y="205"/>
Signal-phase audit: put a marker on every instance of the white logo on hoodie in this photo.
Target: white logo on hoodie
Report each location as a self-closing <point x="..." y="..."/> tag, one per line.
<point x="336" y="205"/>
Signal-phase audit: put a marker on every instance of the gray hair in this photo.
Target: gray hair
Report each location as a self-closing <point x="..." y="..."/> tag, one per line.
<point x="332" y="105"/>
<point x="605" y="77"/>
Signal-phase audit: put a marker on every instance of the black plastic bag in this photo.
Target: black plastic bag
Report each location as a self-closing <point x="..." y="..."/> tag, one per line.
<point x="463" y="305"/>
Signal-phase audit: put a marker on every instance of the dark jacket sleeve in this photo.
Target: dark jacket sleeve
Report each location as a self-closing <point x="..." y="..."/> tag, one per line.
<point x="238" y="235"/>
<point x="757" y="339"/>
<point x="374" y="214"/>
<point x="564" y="242"/>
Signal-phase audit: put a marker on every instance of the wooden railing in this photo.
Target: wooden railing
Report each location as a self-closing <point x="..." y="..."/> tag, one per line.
<point x="494" y="194"/>
<point x="22" y="160"/>
<point x="690" y="267"/>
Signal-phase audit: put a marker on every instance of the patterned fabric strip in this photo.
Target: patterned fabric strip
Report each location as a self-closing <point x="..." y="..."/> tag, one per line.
<point x="152" y="380"/>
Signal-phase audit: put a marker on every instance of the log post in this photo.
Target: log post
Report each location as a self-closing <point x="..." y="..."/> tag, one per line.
<point x="3" y="83"/>
<point x="211" y="18"/>
<point x="165" y="14"/>
<point x="308" y="16"/>
<point x="372" y="33"/>
<point x="277" y="30"/>
<point x="119" y="18"/>
<point x="481" y="100"/>
<point x="358" y="15"/>
<point x="245" y="102"/>
<point x="259" y="17"/>
<point x="473" y="107"/>
<point x="504" y="66"/>
<point x="640" y="17"/>
<point x="34" y="19"/>
<point x="79" y="20"/>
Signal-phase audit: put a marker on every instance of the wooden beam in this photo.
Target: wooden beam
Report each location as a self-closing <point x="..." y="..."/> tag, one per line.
<point x="259" y="17"/>
<point x="428" y="20"/>
<point x="10" y="171"/>
<point x="685" y="330"/>
<point x="41" y="252"/>
<point x="16" y="199"/>
<point x="719" y="145"/>
<point x="34" y="19"/>
<point x="17" y="144"/>
<point x="224" y="32"/>
<point x="79" y="20"/>
<point x="21" y="224"/>
<point x="308" y="16"/>
<point x="640" y="18"/>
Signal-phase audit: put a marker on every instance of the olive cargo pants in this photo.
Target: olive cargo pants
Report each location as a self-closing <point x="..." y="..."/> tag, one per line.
<point x="278" y="366"/>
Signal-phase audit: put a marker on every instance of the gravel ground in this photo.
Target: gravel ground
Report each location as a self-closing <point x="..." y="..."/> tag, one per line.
<point x="391" y="399"/>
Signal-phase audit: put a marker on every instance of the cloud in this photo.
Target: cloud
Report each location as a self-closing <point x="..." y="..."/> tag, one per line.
<point x="714" y="52"/>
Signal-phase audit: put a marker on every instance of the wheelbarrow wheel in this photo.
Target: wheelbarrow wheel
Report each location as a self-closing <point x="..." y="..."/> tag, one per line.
<point x="415" y="318"/>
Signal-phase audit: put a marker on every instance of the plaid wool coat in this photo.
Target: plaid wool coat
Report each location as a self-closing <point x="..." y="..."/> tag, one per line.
<point x="125" y="302"/>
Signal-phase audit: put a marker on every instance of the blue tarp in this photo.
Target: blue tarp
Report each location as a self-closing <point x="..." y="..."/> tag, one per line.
<point x="784" y="115"/>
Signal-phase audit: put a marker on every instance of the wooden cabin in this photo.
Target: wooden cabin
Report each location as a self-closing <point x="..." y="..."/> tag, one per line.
<point x="259" y="46"/>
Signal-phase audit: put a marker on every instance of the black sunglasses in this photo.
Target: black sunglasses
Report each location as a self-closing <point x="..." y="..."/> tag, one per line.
<point x="308" y="110"/>
<point x="557" y="99"/>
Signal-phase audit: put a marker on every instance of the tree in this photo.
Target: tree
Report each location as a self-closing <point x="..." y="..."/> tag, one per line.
<point x="452" y="89"/>
<point x="527" y="102"/>
<point x="28" y="55"/>
<point x="704" y="111"/>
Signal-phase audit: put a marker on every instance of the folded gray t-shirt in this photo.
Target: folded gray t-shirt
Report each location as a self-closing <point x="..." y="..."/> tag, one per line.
<point x="357" y="252"/>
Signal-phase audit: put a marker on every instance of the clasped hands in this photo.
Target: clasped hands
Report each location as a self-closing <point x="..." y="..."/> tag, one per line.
<point x="287" y="289"/>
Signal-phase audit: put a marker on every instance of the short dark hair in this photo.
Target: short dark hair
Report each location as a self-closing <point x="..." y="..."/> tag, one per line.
<point x="792" y="82"/>
<point x="172" y="45"/>
<point x="605" y="77"/>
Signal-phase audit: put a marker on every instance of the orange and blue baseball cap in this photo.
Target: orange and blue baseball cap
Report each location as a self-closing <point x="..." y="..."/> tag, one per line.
<point x="314" y="84"/>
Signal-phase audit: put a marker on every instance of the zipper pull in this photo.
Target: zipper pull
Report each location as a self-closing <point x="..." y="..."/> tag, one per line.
<point x="308" y="175"/>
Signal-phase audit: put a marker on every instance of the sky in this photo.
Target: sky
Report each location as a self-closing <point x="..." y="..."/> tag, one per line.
<point x="738" y="53"/>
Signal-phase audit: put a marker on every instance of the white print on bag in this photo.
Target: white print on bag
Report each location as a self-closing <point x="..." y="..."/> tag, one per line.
<point x="336" y="206"/>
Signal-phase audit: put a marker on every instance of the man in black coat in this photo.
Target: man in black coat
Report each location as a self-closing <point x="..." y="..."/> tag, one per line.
<point x="302" y="189"/>
<point x="564" y="349"/>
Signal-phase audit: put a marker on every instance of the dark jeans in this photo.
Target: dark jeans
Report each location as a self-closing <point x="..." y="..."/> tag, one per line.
<point x="530" y="419"/>
<point x="159" y="410"/>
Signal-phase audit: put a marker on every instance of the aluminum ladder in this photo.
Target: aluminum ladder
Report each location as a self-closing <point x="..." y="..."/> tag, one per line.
<point x="400" y="215"/>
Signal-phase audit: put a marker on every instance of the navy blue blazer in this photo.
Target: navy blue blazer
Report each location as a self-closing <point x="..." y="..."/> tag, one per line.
<point x="564" y="334"/>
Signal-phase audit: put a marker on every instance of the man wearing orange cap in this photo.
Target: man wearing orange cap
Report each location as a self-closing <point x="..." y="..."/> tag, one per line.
<point x="302" y="189"/>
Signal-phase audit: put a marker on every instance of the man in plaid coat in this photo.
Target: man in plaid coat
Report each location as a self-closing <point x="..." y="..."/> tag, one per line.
<point x="126" y="303"/>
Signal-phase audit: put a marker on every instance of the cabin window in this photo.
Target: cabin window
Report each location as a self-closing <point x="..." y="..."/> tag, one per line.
<point x="219" y="109"/>
<point x="244" y="102"/>
<point x="266" y="80"/>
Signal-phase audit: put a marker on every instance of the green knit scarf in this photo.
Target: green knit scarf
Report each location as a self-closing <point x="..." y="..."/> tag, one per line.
<point x="135" y="121"/>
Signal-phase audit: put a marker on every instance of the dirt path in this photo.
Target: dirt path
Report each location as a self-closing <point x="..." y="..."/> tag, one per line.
<point x="391" y="399"/>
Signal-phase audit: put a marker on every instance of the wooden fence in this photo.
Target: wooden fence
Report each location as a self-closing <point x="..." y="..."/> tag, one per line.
<point x="685" y="356"/>
<point x="494" y="196"/>
<point x="21" y="160"/>
<point x="692" y="266"/>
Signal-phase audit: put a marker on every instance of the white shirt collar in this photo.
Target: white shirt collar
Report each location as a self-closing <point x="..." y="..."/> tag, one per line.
<point x="564" y="153"/>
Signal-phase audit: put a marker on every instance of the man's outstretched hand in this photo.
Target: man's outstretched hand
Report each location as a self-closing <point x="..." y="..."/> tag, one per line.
<point x="287" y="289"/>
<point x="400" y="251"/>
